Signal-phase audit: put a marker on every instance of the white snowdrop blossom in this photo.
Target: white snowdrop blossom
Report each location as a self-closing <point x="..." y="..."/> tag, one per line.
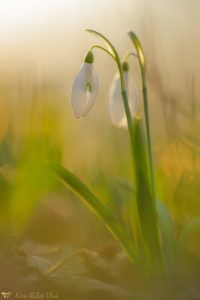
<point x="85" y="88"/>
<point x="116" y="105"/>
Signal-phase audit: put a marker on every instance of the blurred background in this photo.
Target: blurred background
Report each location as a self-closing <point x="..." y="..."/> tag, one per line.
<point x="42" y="48"/>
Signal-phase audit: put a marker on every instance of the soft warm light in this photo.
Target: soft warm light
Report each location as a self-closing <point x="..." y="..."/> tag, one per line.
<point x="17" y="15"/>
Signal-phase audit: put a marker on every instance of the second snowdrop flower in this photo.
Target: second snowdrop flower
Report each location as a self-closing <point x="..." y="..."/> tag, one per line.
<point x="85" y="88"/>
<point x="116" y="105"/>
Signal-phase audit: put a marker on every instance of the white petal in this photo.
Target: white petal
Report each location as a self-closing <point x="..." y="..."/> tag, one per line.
<point x="132" y="95"/>
<point x="116" y="105"/>
<point x="81" y="99"/>
<point x="91" y="97"/>
<point x="116" y="108"/>
<point x="79" y="93"/>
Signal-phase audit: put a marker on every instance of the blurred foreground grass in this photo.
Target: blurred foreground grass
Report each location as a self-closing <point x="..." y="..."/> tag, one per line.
<point x="49" y="240"/>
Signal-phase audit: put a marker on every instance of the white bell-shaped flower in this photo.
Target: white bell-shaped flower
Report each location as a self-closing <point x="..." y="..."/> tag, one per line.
<point x="116" y="105"/>
<point x="85" y="88"/>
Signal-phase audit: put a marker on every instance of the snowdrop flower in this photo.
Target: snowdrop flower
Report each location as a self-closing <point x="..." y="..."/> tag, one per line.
<point x="116" y="105"/>
<point x="85" y="88"/>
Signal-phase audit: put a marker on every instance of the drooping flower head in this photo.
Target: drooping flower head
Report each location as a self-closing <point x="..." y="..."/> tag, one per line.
<point x="85" y="88"/>
<point x="115" y="103"/>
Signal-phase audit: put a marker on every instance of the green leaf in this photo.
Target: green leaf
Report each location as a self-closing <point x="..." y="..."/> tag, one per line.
<point x="168" y="234"/>
<point x="99" y="209"/>
<point x="147" y="217"/>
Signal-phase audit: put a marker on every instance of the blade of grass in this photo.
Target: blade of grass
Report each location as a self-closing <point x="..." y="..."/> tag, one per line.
<point x="151" y="214"/>
<point x="168" y="236"/>
<point x="99" y="209"/>
<point x="147" y="216"/>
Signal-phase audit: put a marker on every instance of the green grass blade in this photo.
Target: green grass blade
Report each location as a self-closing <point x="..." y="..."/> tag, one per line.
<point x="146" y="211"/>
<point x="99" y="209"/>
<point x="150" y="209"/>
<point x="140" y="53"/>
<point x="168" y="235"/>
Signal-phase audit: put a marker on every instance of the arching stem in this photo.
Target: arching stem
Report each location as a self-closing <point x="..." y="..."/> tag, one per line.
<point x="103" y="49"/>
<point x="128" y="54"/>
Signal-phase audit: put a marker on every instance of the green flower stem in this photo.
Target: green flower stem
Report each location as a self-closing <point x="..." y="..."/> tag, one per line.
<point x="112" y="52"/>
<point x="103" y="49"/>
<point x="147" y="122"/>
<point x="141" y="58"/>
<point x="145" y="200"/>
<point x="140" y="54"/>
<point x="100" y="210"/>
<point x="146" y="209"/>
<point x="127" y="55"/>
